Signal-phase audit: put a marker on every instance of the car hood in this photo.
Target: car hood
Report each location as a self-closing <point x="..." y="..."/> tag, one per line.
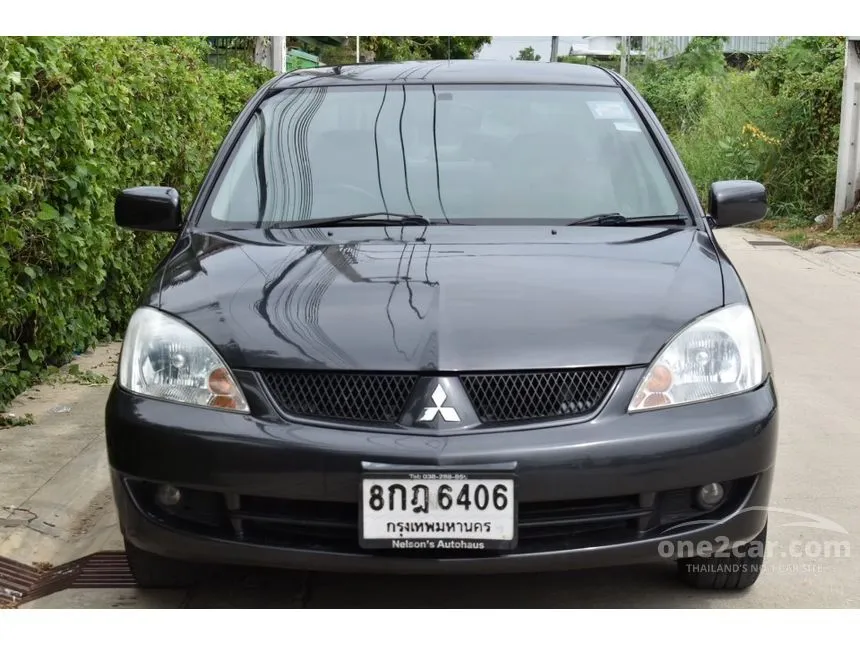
<point x="452" y="298"/>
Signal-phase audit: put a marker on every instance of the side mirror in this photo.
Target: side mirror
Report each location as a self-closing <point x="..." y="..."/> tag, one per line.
<point x="733" y="203"/>
<point x="149" y="208"/>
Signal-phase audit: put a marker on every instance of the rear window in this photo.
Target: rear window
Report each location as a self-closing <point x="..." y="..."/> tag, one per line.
<point x="476" y="154"/>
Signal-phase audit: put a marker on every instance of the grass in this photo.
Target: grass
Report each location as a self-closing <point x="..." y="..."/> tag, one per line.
<point x="721" y="145"/>
<point x="734" y="125"/>
<point x="804" y="236"/>
<point x="74" y="374"/>
<point x="8" y="420"/>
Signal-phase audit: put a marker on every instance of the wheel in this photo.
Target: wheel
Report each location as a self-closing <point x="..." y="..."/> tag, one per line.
<point x="153" y="571"/>
<point x="738" y="569"/>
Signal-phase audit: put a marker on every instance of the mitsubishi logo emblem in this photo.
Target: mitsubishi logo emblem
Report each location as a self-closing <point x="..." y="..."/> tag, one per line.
<point x="448" y="413"/>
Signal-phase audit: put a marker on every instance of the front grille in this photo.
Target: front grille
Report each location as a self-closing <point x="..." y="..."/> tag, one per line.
<point x="356" y="397"/>
<point x="526" y="396"/>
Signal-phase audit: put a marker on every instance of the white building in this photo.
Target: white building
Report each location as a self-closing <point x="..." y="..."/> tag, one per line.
<point x="668" y="46"/>
<point x="601" y="46"/>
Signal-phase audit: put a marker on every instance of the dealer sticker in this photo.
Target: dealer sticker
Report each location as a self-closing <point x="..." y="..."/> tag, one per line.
<point x="614" y="110"/>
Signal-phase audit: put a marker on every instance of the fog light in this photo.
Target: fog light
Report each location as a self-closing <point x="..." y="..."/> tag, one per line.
<point x="168" y="495"/>
<point x="710" y="495"/>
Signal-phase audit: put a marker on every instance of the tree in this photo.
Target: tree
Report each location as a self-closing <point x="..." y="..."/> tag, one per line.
<point x="462" y="47"/>
<point x="394" y="48"/>
<point x="528" y="54"/>
<point x="397" y="48"/>
<point x="339" y="55"/>
<point x="703" y="54"/>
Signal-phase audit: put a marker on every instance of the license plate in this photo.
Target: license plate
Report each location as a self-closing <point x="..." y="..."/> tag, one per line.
<point x="428" y="511"/>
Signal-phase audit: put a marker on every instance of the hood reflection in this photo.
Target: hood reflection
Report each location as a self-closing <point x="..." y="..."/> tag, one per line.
<point x="292" y="296"/>
<point x="466" y="298"/>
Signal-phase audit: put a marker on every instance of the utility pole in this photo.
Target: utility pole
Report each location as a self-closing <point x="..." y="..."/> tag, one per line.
<point x="848" y="161"/>
<point x="357" y="50"/>
<point x="553" y="50"/>
<point x="279" y="54"/>
<point x="625" y="53"/>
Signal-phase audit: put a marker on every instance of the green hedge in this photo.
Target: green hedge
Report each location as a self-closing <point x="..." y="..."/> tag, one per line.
<point x="777" y="123"/>
<point x="81" y="119"/>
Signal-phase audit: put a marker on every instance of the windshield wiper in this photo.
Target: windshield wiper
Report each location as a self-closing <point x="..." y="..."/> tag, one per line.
<point x="617" y="219"/>
<point x="381" y="217"/>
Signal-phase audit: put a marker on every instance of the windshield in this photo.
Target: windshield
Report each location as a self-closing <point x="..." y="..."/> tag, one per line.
<point x="472" y="154"/>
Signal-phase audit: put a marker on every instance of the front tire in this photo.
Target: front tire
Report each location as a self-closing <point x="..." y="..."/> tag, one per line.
<point x="739" y="569"/>
<point x="153" y="571"/>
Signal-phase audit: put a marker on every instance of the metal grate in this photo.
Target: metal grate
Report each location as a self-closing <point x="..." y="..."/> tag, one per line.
<point x="20" y="583"/>
<point x="16" y="579"/>
<point x="767" y="243"/>
<point x="499" y="398"/>
<point x="363" y="397"/>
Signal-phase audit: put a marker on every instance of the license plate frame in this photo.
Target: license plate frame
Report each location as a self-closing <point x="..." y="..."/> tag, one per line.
<point x="437" y="478"/>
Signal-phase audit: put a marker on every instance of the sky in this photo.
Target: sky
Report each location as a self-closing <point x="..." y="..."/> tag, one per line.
<point x="503" y="47"/>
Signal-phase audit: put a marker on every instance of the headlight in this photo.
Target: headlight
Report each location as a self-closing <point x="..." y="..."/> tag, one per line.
<point x="717" y="355"/>
<point x="166" y="359"/>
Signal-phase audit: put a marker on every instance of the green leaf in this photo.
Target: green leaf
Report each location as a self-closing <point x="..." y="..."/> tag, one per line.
<point x="74" y="369"/>
<point x="48" y="212"/>
<point x="103" y="109"/>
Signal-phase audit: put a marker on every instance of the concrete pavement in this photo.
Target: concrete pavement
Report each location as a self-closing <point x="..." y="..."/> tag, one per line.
<point x="54" y="474"/>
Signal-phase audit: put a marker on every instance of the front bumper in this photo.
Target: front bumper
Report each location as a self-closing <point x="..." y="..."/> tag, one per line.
<point x="619" y="479"/>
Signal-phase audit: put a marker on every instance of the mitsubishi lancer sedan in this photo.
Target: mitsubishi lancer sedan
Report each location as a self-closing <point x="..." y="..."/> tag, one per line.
<point x="439" y="318"/>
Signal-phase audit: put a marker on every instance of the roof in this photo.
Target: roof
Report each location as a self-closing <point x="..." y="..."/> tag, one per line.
<point x="449" y="72"/>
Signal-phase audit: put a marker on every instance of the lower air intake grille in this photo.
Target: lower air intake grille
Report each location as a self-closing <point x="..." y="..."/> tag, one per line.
<point x="527" y="396"/>
<point x="371" y="398"/>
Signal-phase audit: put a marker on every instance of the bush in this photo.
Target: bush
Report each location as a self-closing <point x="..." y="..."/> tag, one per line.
<point x="805" y="83"/>
<point x="81" y="119"/>
<point x="680" y="89"/>
<point x="677" y="98"/>
<point x="778" y="124"/>
<point x="729" y="139"/>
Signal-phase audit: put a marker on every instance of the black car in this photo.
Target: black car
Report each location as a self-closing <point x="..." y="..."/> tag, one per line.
<point x="444" y="317"/>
